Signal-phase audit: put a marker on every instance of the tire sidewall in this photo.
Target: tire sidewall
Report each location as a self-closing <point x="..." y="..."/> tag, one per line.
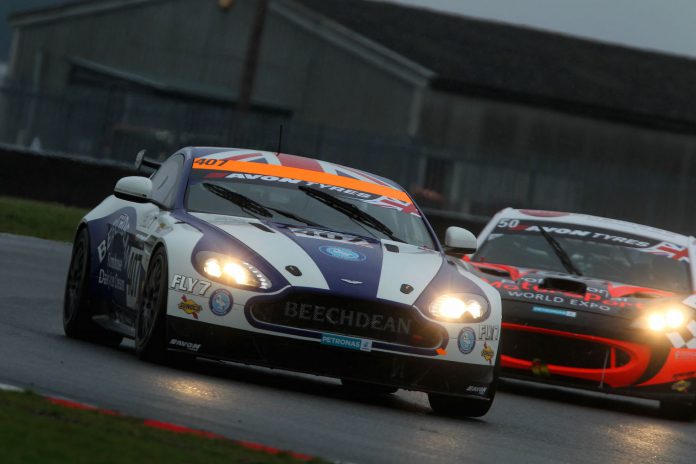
<point x="152" y="346"/>
<point x="75" y="315"/>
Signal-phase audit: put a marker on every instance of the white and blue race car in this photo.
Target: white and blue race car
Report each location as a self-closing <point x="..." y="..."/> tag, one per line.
<point x="288" y="262"/>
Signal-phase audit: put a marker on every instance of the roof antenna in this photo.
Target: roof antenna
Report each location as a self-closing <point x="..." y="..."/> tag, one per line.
<point x="280" y="139"/>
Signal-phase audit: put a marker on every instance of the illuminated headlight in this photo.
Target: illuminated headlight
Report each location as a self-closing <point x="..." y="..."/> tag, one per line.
<point x="668" y="319"/>
<point x="461" y="307"/>
<point x="231" y="271"/>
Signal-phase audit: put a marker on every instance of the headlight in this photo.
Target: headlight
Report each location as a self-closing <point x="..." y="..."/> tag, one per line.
<point x="231" y="271"/>
<point x="667" y="319"/>
<point x="460" y="307"/>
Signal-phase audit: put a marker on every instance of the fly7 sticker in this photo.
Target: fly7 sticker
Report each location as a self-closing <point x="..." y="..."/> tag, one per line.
<point x="189" y="285"/>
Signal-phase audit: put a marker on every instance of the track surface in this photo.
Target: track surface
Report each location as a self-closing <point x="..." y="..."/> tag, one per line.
<point x="308" y="414"/>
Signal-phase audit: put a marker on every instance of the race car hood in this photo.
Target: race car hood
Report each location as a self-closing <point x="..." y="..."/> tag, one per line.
<point x="345" y="264"/>
<point x="576" y="293"/>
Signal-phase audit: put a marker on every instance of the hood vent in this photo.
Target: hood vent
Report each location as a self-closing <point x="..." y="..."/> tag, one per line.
<point x="564" y="285"/>
<point x="495" y="272"/>
<point x="294" y="270"/>
<point x="391" y="247"/>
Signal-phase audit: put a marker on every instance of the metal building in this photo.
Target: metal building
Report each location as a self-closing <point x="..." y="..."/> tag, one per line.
<point x="467" y="106"/>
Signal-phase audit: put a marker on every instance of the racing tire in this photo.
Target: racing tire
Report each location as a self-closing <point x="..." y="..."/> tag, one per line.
<point x="150" y="330"/>
<point x="678" y="410"/>
<point x="77" y="315"/>
<point x="366" y="388"/>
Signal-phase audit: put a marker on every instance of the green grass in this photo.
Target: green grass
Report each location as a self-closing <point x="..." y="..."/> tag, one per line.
<point x="33" y="430"/>
<point x="39" y="219"/>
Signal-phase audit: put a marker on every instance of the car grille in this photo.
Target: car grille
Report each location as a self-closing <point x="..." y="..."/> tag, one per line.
<point x="402" y="325"/>
<point x="560" y="351"/>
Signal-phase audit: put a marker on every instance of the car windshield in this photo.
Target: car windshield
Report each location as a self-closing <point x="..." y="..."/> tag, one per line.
<point x="594" y="252"/>
<point x="289" y="201"/>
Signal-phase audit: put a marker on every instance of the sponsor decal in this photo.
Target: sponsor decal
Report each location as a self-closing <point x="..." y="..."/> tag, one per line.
<point x="540" y="369"/>
<point x="190" y="307"/>
<point x="685" y="354"/>
<point x="554" y="311"/>
<point x="188" y="345"/>
<point x="571" y="230"/>
<point x="111" y="280"/>
<point x="488" y="332"/>
<point x="681" y="386"/>
<point x="487" y="353"/>
<point x="345" y="254"/>
<point x="466" y="340"/>
<point x="684" y="375"/>
<point x="186" y="284"/>
<point x="220" y="302"/>
<point x="477" y="389"/>
<point x="348" y="183"/>
<point x="347" y="317"/>
<point x="527" y="288"/>
<point x="309" y="232"/>
<point x="351" y="343"/>
<point x="119" y="228"/>
<point x="114" y="263"/>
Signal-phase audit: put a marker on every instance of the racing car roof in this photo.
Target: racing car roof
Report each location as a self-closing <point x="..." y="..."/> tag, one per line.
<point x="595" y="221"/>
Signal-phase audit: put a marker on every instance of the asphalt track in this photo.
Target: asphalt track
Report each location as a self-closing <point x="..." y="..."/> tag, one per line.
<point x="313" y="415"/>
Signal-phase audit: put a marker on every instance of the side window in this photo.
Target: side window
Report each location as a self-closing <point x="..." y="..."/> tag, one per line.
<point x="166" y="179"/>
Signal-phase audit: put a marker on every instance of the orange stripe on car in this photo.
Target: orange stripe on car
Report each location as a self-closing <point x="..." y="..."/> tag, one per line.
<point x="302" y="174"/>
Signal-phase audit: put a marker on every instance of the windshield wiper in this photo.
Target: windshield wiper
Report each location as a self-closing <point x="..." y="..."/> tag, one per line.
<point x="253" y="206"/>
<point x="351" y="211"/>
<point x="560" y="252"/>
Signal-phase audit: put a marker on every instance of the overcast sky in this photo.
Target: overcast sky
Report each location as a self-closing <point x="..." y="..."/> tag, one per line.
<point x="664" y="25"/>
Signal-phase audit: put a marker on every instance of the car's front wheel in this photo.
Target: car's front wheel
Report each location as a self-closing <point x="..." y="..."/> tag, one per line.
<point x="77" y="315"/>
<point x="150" y="331"/>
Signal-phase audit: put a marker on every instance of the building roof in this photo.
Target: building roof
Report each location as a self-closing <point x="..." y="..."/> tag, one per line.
<point x="511" y="62"/>
<point x="501" y="61"/>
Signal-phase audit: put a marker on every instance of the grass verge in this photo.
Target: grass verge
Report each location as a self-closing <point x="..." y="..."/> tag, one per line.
<point x="34" y="430"/>
<point x="39" y="219"/>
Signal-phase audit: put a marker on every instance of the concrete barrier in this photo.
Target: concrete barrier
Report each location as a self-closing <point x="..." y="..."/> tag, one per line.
<point x="62" y="179"/>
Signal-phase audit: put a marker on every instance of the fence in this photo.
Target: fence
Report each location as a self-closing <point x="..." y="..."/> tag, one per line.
<point x="113" y="125"/>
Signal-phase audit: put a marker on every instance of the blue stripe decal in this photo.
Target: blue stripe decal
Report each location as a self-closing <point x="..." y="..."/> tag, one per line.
<point x="338" y="258"/>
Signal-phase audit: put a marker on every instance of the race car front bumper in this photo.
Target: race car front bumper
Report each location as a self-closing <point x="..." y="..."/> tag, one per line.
<point x="308" y="356"/>
<point x="595" y="352"/>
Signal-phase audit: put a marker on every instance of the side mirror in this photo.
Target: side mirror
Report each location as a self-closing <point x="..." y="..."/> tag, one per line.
<point x="133" y="188"/>
<point x="459" y="241"/>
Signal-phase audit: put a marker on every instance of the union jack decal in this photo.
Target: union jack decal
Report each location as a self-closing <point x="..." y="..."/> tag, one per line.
<point x="292" y="161"/>
<point x="386" y="202"/>
<point x="670" y="250"/>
